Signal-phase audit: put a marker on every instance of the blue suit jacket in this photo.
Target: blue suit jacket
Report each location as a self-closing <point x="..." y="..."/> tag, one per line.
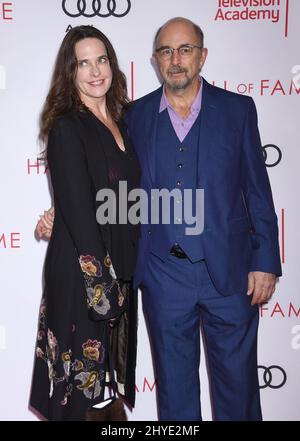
<point x="240" y="225"/>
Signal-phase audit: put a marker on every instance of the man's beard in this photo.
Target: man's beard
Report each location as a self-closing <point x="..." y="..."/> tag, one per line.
<point x="177" y="84"/>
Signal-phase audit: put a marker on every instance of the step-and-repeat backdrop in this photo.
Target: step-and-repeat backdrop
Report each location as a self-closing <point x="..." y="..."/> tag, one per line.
<point x="253" y="50"/>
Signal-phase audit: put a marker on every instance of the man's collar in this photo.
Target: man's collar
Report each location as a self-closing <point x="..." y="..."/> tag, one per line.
<point x="195" y="107"/>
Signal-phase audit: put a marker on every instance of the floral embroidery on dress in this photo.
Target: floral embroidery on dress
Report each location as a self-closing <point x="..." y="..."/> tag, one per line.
<point x="90" y="384"/>
<point x="107" y="261"/>
<point x="109" y="265"/>
<point x="90" y="266"/>
<point x="98" y="300"/>
<point x="87" y="371"/>
<point x="93" y="350"/>
<point x="102" y="295"/>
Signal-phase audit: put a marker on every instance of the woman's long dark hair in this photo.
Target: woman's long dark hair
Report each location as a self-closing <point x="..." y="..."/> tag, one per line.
<point x="63" y="96"/>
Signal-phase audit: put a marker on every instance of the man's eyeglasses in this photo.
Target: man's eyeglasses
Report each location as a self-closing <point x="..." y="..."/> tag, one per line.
<point x="184" y="51"/>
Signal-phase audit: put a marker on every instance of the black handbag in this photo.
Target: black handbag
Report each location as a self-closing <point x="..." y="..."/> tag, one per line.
<point x="111" y="409"/>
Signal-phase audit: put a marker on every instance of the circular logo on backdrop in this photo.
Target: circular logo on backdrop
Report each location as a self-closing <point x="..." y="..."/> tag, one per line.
<point x="273" y="376"/>
<point x="93" y="8"/>
<point x="272" y="155"/>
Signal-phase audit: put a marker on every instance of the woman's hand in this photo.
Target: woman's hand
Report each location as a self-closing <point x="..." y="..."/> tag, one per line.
<point x="45" y="224"/>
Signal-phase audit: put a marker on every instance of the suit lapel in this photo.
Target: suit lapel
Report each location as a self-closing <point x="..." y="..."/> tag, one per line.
<point x="207" y="133"/>
<point x="151" y="120"/>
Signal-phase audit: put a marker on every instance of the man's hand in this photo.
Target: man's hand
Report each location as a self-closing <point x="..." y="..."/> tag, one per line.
<point x="45" y="224"/>
<point x="261" y="285"/>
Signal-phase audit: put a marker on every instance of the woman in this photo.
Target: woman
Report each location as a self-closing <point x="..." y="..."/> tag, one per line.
<point x="88" y="308"/>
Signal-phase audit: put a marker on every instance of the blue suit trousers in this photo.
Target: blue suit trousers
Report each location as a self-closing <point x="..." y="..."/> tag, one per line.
<point x="177" y="296"/>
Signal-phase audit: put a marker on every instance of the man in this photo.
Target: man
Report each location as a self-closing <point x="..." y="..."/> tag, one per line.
<point x="191" y="135"/>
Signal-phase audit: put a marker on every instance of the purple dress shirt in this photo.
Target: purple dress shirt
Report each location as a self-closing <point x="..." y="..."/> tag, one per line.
<point x="182" y="126"/>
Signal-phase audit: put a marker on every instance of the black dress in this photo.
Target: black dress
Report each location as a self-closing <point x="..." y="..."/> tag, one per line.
<point x="83" y="291"/>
